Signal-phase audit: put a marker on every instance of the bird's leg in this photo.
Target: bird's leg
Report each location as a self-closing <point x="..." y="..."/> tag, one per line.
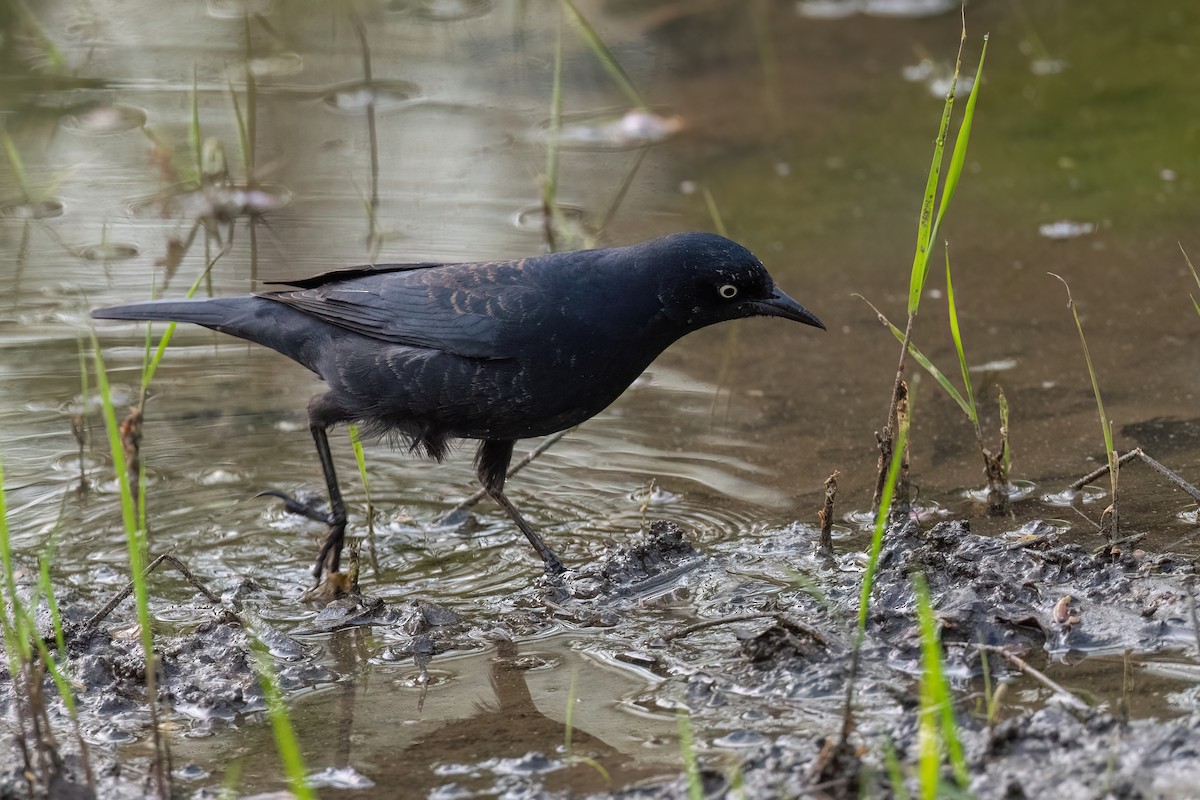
<point x="330" y="555"/>
<point x="491" y="464"/>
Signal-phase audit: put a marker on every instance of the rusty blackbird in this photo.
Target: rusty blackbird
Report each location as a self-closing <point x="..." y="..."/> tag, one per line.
<point x="495" y="351"/>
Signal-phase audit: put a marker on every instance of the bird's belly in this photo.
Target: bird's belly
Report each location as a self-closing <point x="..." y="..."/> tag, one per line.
<point x="416" y="392"/>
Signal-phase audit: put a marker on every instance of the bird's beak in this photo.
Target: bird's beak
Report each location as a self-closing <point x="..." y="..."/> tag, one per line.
<point x="780" y="305"/>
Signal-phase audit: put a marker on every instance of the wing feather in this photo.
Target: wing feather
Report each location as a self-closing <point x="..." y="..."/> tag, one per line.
<point x="469" y="310"/>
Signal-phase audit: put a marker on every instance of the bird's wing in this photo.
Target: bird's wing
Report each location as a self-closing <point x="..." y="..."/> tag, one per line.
<point x="464" y="309"/>
<point x="340" y="275"/>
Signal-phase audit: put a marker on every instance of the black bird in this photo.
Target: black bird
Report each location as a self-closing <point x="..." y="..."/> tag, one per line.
<point x="495" y="351"/>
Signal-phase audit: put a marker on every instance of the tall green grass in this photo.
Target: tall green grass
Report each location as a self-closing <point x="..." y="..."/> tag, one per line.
<point x="569" y="734"/>
<point x="929" y="225"/>
<point x="21" y="637"/>
<point x="137" y="553"/>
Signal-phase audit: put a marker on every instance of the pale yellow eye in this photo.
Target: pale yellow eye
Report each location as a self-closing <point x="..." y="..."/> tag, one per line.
<point x="728" y="291"/>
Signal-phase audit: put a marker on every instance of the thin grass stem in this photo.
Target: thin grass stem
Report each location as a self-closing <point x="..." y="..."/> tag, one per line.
<point x="1105" y="424"/>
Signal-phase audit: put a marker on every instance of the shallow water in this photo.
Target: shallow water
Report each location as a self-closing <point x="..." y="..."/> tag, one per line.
<point x="813" y="142"/>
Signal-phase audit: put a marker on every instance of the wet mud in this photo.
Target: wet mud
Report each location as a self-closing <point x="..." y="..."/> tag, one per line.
<point x="752" y="642"/>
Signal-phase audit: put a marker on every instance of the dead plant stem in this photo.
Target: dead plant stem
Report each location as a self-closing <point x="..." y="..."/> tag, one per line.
<point x="1037" y="675"/>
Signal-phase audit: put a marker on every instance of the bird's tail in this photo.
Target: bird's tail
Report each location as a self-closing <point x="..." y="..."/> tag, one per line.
<point x="262" y="321"/>
<point x="209" y="313"/>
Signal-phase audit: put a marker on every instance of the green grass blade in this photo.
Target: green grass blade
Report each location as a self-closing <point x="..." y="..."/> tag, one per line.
<point x="687" y="749"/>
<point x="881" y="517"/>
<point x="240" y="121"/>
<point x="10" y="581"/>
<point x="1195" y="277"/>
<point x="16" y="646"/>
<point x="281" y="725"/>
<point x="1087" y="357"/>
<point x="895" y="773"/>
<point x="921" y="359"/>
<point x="114" y="438"/>
<point x="65" y="692"/>
<point x="360" y="458"/>
<point x="959" y="156"/>
<point x="134" y="536"/>
<point x="970" y="408"/>
<point x="936" y="690"/>
<point x="47" y="589"/>
<point x="54" y="57"/>
<point x="15" y="162"/>
<point x="607" y="59"/>
<point x="925" y="230"/>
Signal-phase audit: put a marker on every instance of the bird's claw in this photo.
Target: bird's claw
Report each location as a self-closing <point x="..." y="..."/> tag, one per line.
<point x="554" y="567"/>
<point x="294" y="506"/>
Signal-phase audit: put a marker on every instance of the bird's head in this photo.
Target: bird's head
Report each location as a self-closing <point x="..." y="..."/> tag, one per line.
<point x="706" y="278"/>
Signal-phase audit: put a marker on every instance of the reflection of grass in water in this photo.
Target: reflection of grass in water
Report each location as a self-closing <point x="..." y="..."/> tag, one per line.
<point x="733" y="331"/>
<point x="29" y="194"/>
<point x="551" y="214"/>
<point x="54" y="57"/>
<point x="560" y="232"/>
<point x="569" y="732"/>
<point x="16" y="163"/>
<point x="768" y="61"/>
<point x="613" y="67"/>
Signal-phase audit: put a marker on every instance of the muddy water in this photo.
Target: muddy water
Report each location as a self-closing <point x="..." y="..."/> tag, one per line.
<point x="813" y="142"/>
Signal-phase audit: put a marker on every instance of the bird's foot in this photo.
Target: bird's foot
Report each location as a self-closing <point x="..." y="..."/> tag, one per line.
<point x="330" y="556"/>
<point x="333" y="586"/>
<point x="294" y="506"/>
<point x="554" y="567"/>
